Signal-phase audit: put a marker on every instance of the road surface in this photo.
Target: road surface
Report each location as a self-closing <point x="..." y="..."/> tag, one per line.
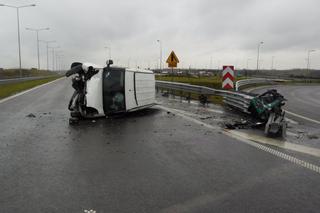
<point x="148" y="161"/>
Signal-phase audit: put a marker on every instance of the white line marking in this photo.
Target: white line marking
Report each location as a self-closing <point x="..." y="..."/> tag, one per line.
<point x="29" y="90"/>
<point x="291" y="121"/>
<point x="243" y="137"/>
<point x="303" y="117"/>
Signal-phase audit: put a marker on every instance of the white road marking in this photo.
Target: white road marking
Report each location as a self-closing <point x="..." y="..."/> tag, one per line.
<point x="292" y="134"/>
<point x="256" y="141"/>
<point x="29" y="90"/>
<point x="303" y="117"/>
<point x="291" y="121"/>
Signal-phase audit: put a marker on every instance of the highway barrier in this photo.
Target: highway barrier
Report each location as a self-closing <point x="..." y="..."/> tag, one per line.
<point x="239" y="100"/>
<point x="256" y="81"/>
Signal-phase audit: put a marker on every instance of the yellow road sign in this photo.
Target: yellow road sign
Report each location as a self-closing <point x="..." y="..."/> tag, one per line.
<point x="172" y="60"/>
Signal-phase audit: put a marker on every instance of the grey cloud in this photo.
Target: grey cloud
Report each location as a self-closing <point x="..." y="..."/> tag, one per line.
<point x="227" y="30"/>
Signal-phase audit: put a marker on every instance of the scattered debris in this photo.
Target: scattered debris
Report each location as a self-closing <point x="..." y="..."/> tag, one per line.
<point x="204" y="118"/>
<point x="244" y="124"/>
<point x="313" y="137"/>
<point x="165" y="94"/>
<point x="31" y="115"/>
<point x="203" y="99"/>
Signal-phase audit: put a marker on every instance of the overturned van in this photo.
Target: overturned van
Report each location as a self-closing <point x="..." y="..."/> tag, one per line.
<point x="105" y="91"/>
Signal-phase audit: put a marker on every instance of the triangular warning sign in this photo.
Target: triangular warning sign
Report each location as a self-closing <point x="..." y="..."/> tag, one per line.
<point x="172" y="59"/>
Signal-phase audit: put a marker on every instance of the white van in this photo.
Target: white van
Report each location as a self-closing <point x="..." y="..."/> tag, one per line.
<point x="109" y="90"/>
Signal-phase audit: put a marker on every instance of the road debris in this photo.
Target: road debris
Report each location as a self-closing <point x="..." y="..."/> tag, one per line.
<point x="244" y="124"/>
<point x="31" y="115"/>
<point x="313" y="137"/>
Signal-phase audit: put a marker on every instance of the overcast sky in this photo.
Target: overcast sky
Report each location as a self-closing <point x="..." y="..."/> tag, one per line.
<point x="224" y="31"/>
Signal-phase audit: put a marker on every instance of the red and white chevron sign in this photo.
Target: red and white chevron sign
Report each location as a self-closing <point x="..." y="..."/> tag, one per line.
<point x="227" y="77"/>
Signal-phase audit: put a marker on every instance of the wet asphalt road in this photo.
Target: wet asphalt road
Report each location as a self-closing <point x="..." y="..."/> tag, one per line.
<point x="149" y="161"/>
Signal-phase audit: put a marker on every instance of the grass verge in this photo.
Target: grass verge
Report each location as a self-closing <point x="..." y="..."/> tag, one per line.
<point x="13" y="88"/>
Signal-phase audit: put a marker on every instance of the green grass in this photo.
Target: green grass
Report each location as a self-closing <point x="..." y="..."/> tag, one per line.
<point x="15" y="73"/>
<point x="13" y="88"/>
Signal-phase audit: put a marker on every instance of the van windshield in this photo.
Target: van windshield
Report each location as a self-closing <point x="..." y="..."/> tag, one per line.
<point x="113" y="90"/>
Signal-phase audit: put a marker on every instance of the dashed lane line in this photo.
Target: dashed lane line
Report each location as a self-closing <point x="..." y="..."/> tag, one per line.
<point x="240" y="136"/>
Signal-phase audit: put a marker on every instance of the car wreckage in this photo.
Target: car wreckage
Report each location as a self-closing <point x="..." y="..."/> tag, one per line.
<point x="265" y="110"/>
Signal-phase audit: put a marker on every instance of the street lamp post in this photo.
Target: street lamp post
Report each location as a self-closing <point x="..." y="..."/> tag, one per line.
<point x="37" y="31"/>
<point x="109" y="48"/>
<point x="259" y="45"/>
<point x="18" y="21"/>
<point x="53" y="61"/>
<point x="160" y="58"/>
<point x="308" y="61"/>
<point x="58" y="60"/>
<point x="248" y="63"/>
<point x="47" y="44"/>
<point x="272" y="62"/>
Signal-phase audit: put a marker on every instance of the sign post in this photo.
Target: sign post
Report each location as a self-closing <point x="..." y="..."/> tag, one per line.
<point x="228" y="77"/>
<point x="172" y="62"/>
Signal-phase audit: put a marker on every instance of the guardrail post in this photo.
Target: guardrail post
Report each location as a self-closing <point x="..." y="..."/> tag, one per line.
<point x="189" y="97"/>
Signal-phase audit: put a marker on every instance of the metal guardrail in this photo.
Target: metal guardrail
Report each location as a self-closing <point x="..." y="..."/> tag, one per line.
<point x="237" y="100"/>
<point x="254" y="81"/>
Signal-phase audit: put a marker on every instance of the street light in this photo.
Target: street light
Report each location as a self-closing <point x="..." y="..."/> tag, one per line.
<point x="18" y="21"/>
<point x="48" y="42"/>
<point x="248" y="63"/>
<point x="37" y="31"/>
<point x="160" y="58"/>
<point x="109" y="51"/>
<point x="53" y="48"/>
<point x="259" y="45"/>
<point x="272" y="62"/>
<point x="58" y="56"/>
<point x="308" y="60"/>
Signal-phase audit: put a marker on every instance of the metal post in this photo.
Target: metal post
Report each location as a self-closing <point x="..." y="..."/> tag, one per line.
<point x="47" y="44"/>
<point x="109" y="48"/>
<point x="47" y="56"/>
<point x="53" y="59"/>
<point x="308" y="61"/>
<point x="160" y="58"/>
<point x="38" y="51"/>
<point x="18" y="21"/>
<point x="19" y="42"/>
<point x="258" y="55"/>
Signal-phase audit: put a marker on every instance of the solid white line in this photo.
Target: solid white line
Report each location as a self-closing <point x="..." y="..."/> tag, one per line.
<point x="291" y="121"/>
<point x="29" y="90"/>
<point x="243" y="137"/>
<point x="303" y="117"/>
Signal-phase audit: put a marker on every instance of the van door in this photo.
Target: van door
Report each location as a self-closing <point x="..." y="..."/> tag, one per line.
<point x="113" y="90"/>
<point x="131" y="101"/>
